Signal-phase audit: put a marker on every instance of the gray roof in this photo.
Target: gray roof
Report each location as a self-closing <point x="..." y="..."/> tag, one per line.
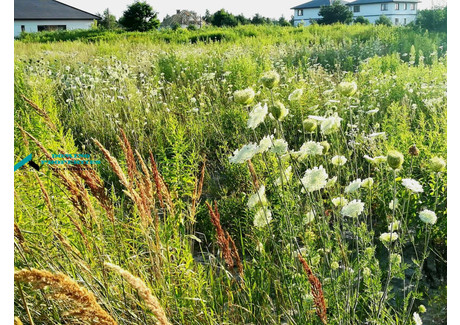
<point x="315" y="4"/>
<point x="365" y="2"/>
<point x="49" y="10"/>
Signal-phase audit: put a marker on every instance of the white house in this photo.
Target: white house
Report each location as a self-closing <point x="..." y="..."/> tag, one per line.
<point x="401" y="12"/>
<point x="40" y="15"/>
<point x="308" y="12"/>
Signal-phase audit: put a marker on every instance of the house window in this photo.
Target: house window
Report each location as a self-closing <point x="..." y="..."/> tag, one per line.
<point x="23" y="28"/>
<point x="405" y="6"/>
<point x="405" y="21"/>
<point x="42" y="28"/>
<point x="396" y="21"/>
<point x="356" y="9"/>
<point x="384" y="7"/>
<point x="300" y="12"/>
<point x="396" y="6"/>
<point x="412" y="6"/>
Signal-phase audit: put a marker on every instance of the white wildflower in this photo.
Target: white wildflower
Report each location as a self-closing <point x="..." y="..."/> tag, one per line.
<point x="310" y="148"/>
<point x="244" y="154"/>
<point x="280" y="146"/>
<point x="393" y="205"/>
<point x="330" y="124"/>
<point x="314" y="179"/>
<point x="309" y="217"/>
<point x="368" y="182"/>
<point x="417" y="319"/>
<point x="394" y="226"/>
<point x="257" y="115"/>
<point x="376" y="160"/>
<point x="428" y="216"/>
<point x="265" y="143"/>
<point x="339" y="201"/>
<point x="262" y="217"/>
<point x="353" y="209"/>
<point x="258" y="198"/>
<point x="295" y="95"/>
<point x="388" y="236"/>
<point x="331" y="182"/>
<point x="338" y="160"/>
<point x="412" y="185"/>
<point x="286" y="176"/>
<point x="353" y="186"/>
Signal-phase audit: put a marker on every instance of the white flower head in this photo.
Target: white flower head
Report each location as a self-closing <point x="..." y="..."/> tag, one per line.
<point x="417" y="319"/>
<point x="376" y="160"/>
<point x="368" y="182"/>
<point x="428" y="216"/>
<point x="265" y="143"/>
<point x="412" y="185"/>
<point x="386" y="237"/>
<point x="353" y="209"/>
<point x="280" y="146"/>
<point x="310" y="148"/>
<point x="393" y="205"/>
<point x="245" y="96"/>
<point x="314" y="179"/>
<point x="258" y="198"/>
<point x="394" y="226"/>
<point x="245" y="153"/>
<point x="286" y="176"/>
<point x="338" y="160"/>
<point x="257" y="115"/>
<point x="309" y="217"/>
<point x="330" y="124"/>
<point x="262" y="217"/>
<point x="331" y="182"/>
<point x="339" y="201"/>
<point x="353" y="186"/>
<point x="295" y="95"/>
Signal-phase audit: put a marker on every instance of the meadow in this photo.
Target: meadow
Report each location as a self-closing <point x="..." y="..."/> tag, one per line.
<point x="248" y="175"/>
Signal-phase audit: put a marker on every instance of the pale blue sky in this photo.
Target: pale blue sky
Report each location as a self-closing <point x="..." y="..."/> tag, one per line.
<point x="267" y="8"/>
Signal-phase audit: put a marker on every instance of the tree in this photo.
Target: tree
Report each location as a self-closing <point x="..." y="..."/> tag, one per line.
<point x="108" y="21"/>
<point x="283" y="22"/>
<point x="362" y="20"/>
<point x="433" y="20"/>
<point x="242" y="20"/>
<point x="335" y="13"/>
<point x="223" y="18"/>
<point x="260" y="20"/>
<point x="139" y="17"/>
<point x="383" y="20"/>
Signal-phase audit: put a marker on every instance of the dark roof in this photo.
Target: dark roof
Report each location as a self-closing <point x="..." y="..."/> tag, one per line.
<point x="365" y="2"/>
<point x="48" y="9"/>
<point x="315" y="4"/>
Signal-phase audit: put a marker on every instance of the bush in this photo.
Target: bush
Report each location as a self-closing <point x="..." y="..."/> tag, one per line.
<point x="336" y="13"/>
<point x="384" y="20"/>
<point x="362" y="20"/>
<point x="139" y="17"/>
<point x="433" y="20"/>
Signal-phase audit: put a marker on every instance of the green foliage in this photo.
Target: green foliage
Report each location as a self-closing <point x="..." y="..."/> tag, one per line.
<point x="361" y="20"/>
<point x="335" y="13"/>
<point x="176" y="100"/>
<point x="384" y="20"/>
<point x="139" y="16"/>
<point x="434" y="20"/>
<point x="108" y="21"/>
<point x="223" y="18"/>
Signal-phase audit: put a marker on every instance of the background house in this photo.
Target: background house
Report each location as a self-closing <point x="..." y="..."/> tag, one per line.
<point x="400" y="12"/>
<point x="307" y="12"/>
<point x="40" y="15"/>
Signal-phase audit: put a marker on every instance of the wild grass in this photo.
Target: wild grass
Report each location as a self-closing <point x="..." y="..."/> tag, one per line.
<point x="167" y="230"/>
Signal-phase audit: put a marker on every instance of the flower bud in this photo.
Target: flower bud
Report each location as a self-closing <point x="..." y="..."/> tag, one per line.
<point x="279" y="111"/>
<point x="347" y="88"/>
<point x="413" y="151"/>
<point x="437" y="164"/>
<point x="326" y="146"/>
<point x="334" y="265"/>
<point x="395" y="159"/>
<point x="422" y="309"/>
<point x="309" y="125"/>
<point x="244" y="97"/>
<point x="270" y="79"/>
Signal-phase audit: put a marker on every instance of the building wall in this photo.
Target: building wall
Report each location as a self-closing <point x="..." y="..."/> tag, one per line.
<point x="374" y="11"/>
<point x="31" y="25"/>
<point x="307" y="15"/>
